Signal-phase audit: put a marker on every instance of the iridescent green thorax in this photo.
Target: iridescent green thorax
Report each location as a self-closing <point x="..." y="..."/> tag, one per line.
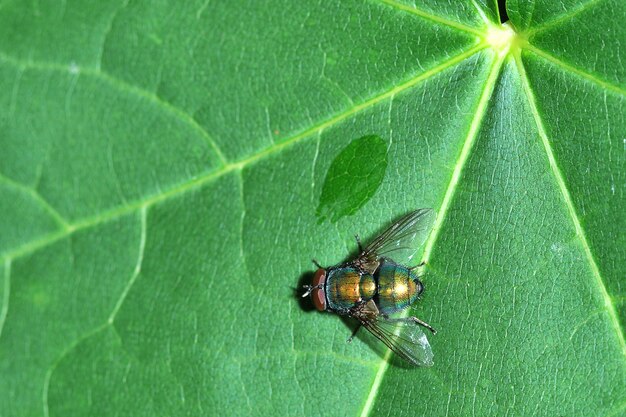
<point x="398" y="287"/>
<point x="346" y="286"/>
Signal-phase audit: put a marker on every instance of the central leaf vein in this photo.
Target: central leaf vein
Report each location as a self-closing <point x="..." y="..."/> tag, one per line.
<point x="445" y="204"/>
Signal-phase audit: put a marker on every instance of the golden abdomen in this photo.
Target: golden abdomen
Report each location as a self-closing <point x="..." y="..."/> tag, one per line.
<point x="398" y="287"/>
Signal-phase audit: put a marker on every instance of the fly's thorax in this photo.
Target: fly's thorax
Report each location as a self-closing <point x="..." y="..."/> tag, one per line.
<point x="345" y="287"/>
<point x="398" y="287"/>
<point x="367" y="286"/>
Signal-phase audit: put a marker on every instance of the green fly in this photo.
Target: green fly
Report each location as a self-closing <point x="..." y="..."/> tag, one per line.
<point x="375" y="284"/>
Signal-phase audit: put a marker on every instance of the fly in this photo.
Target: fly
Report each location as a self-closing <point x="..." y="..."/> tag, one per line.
<point x="372" y="286"/>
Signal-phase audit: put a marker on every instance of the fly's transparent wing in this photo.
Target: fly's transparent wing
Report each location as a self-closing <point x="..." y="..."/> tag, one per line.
<point x="402" y="239"/>
<point x="402" y="336"/>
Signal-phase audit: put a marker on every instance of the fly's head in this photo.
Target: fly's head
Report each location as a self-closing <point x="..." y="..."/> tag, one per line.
<point x="316" y="289"/>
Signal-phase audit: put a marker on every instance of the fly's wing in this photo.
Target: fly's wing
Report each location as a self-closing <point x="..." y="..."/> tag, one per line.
<point x="402" y="336"/>
<point x="402" y="239"/>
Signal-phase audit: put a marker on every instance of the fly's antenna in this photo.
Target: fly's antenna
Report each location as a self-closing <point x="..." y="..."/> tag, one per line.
<point x="310" y="288"/>
<point x="317" y="264"/>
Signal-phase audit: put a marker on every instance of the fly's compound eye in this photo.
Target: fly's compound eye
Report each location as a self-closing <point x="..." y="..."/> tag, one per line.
<point x="318" y="294"/>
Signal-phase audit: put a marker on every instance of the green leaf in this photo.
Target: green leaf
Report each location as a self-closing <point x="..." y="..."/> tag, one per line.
<point x="168" y="170"/>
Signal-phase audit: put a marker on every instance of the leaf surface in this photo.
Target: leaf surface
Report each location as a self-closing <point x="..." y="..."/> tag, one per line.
<point x="168" y="171"/>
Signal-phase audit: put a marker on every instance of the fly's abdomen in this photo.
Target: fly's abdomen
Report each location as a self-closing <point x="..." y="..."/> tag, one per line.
<point x="398" y="287"/>
<point x="346" y="286"/>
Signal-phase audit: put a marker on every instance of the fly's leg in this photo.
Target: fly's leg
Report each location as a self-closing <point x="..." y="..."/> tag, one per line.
<point x="423" y="323"/>
<point x="417" y="266"/>
<point x="317" y="264"/>
<point x="358" y="242"/>
<point x="354" y="312"/>
<point x="414" y="320"/>
<point x="358" y="327"/>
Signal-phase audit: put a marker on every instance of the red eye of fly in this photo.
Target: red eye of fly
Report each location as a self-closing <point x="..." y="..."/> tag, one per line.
<point x="318" y="294"/>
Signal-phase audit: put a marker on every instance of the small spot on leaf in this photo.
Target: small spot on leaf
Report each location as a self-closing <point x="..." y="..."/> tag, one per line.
<point x="353" y="178"/>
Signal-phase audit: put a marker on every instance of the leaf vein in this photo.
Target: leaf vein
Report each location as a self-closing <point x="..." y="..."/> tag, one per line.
<point x="481" y="13"/>
<point x="582" y="74"/>
<point x="617" y="411"/>
<point x="445" y="204"/>
<point x="5" y="294"/>
<point x="242" y="252"/>
<point x="107" y="31"/>
<point x="562" y="17"/>
<point x="109" y="322"/>
<point x="437" y="19"/>
<point x="43" y="203"/>
<point x="121" y="85"/>
<point x="142" y="246"/>
<point x="570" y="204"/>
<point x="50" y="371"/>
